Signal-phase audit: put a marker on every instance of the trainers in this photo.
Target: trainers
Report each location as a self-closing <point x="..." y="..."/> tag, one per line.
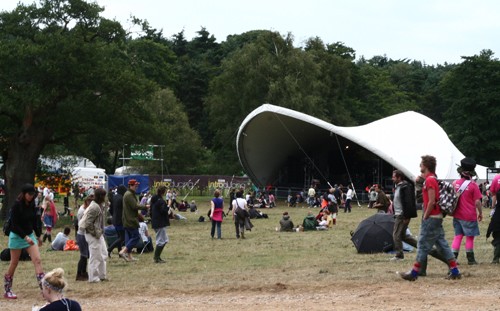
<point x="396" y="258"/>
<point x="409" y="276"/>
<point x="10" y="295"/>
<point x="159" y="260"/>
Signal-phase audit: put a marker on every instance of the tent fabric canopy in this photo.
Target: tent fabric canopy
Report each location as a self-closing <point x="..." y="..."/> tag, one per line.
<point x="269" y="134"/>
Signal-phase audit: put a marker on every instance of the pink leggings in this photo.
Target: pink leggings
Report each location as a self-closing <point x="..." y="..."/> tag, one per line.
<point x="457" y="241"/>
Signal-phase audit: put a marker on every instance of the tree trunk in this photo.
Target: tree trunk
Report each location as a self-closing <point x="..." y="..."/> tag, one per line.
<point x="21" y="162"/>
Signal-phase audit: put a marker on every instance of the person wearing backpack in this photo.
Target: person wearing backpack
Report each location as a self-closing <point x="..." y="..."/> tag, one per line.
<point x="431" y="228"/>
<point x="469" y="210"/>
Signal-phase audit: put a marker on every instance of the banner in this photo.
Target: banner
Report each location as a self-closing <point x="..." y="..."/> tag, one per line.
<point x="139" y="152"/>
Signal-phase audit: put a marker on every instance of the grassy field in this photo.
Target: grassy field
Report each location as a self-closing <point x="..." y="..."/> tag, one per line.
<point x="303" y="266"/>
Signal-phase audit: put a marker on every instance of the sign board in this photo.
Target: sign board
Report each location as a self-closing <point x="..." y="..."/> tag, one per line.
<point x="139" y="152"/>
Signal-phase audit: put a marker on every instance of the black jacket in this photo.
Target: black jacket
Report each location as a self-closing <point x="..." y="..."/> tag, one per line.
<point x="117" y="206"/>
<point x="408" y="200"/>
<point x="24" y="219"/>
<point x="159" y="212"/>
<point x="494" y="225"/>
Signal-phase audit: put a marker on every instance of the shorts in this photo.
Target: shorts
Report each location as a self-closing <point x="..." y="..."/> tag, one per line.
<point x="16" y="242"/>
<point x="467" y="228"/>
<point x="48" y="221"/>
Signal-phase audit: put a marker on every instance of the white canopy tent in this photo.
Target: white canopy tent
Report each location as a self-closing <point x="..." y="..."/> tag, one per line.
<point x="269" y="134"/>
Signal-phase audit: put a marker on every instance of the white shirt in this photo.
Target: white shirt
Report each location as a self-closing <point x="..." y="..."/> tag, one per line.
<point x="349" y="194"/>
<point x="239" y="203"/>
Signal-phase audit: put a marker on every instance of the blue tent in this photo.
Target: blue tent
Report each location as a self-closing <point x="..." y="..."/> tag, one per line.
<point x="116" y="180"/>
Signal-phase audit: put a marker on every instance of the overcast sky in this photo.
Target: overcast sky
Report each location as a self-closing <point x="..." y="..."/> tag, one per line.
<point x="433" y="31"/>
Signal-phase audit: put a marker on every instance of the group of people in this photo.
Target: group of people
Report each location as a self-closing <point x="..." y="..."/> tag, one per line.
<point x="431" y="240"/>
<point x="26" y="231"/>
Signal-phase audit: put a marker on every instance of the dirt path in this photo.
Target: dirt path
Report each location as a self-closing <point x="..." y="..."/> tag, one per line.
<point x="421" y="295"/>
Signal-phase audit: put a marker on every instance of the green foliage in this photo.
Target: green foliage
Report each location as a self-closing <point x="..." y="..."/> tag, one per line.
<point x="73" y="82"/>
<point x="472" y="93"/>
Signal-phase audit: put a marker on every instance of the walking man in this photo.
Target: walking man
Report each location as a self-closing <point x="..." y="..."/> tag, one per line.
<point x="431" y="228"/>
<point x="130" y="220"/>
<point x="404" y="210"/>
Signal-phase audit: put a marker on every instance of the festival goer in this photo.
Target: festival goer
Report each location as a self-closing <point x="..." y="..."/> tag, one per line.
<point x="286" y="224"/>
<point x="494" y="228"/>
<point x="309" y="223"/>
<point x="93" y="224"/>
<point x="216" y="211"/>
<point x="49" y="216"/>
<point x="239" y="211"/>
<point x="382" y="203"/>
<point x="372" y="197"/>
<point x="81" y="274"/>
<point x="53" y="285"/>
<point x="60" y="239"/>
<point x="431" y="228"/>
<point x="469" y="210"/>
<point x="147" y="241"/>
<point x="66" y="205"/>
<point x="404" y="210"/>
<point x="24" y="234"/>
<point x="117" y="214"/>
<point x="160" y="220"/>
<point x="311" y="194"/>
<point x="348" y="199"/>
<point x="130" y="222"/>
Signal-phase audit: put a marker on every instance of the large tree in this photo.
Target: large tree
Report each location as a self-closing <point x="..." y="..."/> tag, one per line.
<point x="472" y="92"/>
<point x="64" y="74"/>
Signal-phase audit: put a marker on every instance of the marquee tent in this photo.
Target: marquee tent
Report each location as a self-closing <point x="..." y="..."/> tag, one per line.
<point x="270" y="135"/>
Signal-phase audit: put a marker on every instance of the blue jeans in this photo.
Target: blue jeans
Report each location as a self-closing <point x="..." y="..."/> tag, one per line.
<point x="132" y="237"/>
<point x="432" y="233"/>
<point x="218" y="225"/>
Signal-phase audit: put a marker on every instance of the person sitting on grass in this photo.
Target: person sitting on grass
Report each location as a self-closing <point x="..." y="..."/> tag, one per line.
<point x="286" y="224"/>
<point x="309" y="223"/>
<point x="61" y="239"/>
<point x="53" y="285"/>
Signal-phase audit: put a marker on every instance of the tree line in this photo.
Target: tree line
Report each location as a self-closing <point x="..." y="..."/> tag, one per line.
<point x="74" y="82"/>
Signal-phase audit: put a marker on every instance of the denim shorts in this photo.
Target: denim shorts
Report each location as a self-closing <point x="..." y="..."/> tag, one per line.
<point x="467" y="228"/>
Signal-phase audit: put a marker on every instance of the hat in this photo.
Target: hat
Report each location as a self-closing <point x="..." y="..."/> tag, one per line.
<point x="27" y="188"/>
<point x="133" y="182"/>
<point x="467" y="166"/>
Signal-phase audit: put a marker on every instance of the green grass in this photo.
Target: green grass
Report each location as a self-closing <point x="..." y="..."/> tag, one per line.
<point x="265" y="260"/>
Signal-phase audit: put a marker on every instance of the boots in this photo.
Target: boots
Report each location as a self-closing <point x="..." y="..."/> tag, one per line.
<point x="242" y="233"/>
<point x="49" y="236"/>
<point x="157" y="255"/>
<point x="44" y="237"/>
<point x="456" y="257"/>
<point x="496" y="255"/>
<point x="470" y="259"/>
<point x="423" y="268"/>
<point x="7" y="284"/>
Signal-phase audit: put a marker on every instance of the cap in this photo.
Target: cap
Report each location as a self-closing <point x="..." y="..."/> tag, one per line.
<point x="133" y="182"/>
<point x="27" y="188"/>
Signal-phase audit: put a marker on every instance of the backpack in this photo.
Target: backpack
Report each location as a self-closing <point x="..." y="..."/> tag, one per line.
<point x="448" y="198"/>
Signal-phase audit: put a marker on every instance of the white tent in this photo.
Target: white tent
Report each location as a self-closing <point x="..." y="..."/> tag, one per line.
<point x="269" y="134"/>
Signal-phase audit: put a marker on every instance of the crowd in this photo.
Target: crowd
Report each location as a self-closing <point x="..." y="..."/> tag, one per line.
<point x="34" y="209"/>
